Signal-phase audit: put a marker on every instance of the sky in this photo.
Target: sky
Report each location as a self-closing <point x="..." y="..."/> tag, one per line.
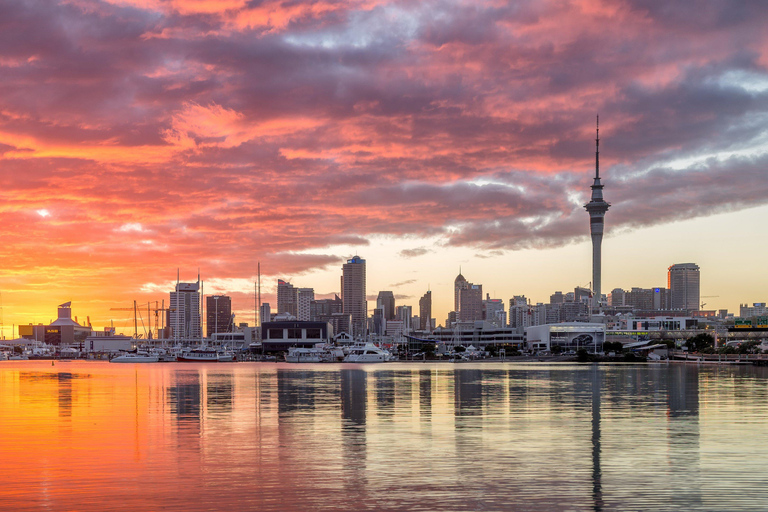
<point x="142" y="137"/>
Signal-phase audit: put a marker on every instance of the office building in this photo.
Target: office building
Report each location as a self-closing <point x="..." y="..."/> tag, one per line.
<point x="683" y="283"/>
<point x="185" y="311"/>
<point x="386" y="301"/>
<point x="425" y="311"/>
<point x="218" y="314"/>
<point x="286" y="298"/>
<point x="470" y="303"/>
<point x="353" y="294"/>
<point x="304" y="299"/>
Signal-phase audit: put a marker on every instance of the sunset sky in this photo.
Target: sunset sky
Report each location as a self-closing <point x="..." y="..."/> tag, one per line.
<point x="142" y="136"/>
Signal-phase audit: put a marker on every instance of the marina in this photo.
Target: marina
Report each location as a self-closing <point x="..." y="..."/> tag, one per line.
<point x="395" y="436"/>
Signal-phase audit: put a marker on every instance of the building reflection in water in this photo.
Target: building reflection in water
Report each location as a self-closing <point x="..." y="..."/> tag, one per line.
<point x="683" y="435"/>
<point x="597" y="474"/>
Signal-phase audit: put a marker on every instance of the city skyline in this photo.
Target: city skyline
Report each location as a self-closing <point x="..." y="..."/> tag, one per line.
<point x="160" y="136"/>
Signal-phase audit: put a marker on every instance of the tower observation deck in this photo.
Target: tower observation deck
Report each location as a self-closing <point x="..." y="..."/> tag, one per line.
<point x="596" y="208"/>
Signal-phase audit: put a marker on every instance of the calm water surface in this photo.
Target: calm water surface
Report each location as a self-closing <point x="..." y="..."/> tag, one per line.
<point x="93" y="436"/>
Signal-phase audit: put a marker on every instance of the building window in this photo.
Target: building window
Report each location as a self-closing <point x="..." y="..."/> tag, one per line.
<point x="313" y="334"/>
<point x="294" y="334"/>
<point x="275" y="334"/>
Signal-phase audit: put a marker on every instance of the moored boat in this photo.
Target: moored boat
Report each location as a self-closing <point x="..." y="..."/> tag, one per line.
<point x="198" y="355"/>
<point x="304" y="355"/>
<point x="368" y="353"/>
<point x="135" y="357"/>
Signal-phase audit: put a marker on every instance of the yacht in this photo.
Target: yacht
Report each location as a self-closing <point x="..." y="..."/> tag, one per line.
<point x="135" y="357"/>
<point x="304" y="355"/>
<point x="368" y="353"/>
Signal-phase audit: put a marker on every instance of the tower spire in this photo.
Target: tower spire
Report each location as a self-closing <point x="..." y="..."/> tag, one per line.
<point x="597" y="148"/>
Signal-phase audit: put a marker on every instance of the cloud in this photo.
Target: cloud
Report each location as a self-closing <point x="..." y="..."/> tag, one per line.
<point x="240" y="132"/>
<point x="402" y="283"/>
<point x="412" y="253"/>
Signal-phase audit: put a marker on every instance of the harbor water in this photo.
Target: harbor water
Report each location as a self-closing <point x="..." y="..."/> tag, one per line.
<point x="94" y="436"/>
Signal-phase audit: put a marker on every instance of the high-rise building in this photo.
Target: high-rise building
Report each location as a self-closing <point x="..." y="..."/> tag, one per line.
<point x="470" y="303"/>
<point x="353" y="294"/>
<point x="386" y="301"/>
<point x="617" y="297"/>
<point x="425" y="311"/>
<point x="218" y="314"/>
<point x="557" y="298"/>
<point x="264" y="313"/>
<point x="405" y="314"/>
<point x="286" y="298"/>
<point x="683" y="283"/>
<point x="322" y="309"/>
<point x="458" y="284"/>
<point x="304" y="298"/>
<point x="491" y="310"/>
<point x="185" y="311"/>
<point x="596" y="208"/>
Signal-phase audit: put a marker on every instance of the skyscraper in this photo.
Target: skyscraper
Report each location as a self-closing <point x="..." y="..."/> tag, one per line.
<point x="683" y="283"/>
<point x="425" y="311"/>
<point x="386" y="301"/>
<point x="286" y="298"/>
<point x="218" y="313"/>
<point x="353" y="294"/>
<point x="185" y="311"/>
<point x="304" y="299"/>
<point x="458" y="284"/>
<point x="470" y="303"/>
<point x="596" y="209"/>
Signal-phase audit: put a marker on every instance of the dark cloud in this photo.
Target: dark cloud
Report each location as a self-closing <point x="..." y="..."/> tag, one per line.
<point x="412" y="253"/>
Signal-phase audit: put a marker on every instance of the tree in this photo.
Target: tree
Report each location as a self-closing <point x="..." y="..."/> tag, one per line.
<point x="700" y="342"/>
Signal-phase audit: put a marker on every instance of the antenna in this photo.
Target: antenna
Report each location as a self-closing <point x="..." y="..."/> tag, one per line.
<point x="258" y="296"/>
<point x="597" y="148"/>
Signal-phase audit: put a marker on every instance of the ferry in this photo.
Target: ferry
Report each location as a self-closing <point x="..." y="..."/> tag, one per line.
<point x="198" y="356"/>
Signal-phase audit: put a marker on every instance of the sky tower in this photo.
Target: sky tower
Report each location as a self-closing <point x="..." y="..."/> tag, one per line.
<point x="596" y="209"/>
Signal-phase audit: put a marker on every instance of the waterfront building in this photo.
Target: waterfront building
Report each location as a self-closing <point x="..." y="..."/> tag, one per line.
<point x="304" y="298"/>
<point x="386" y="301"/>
<point x="286" y="298"/>
<point x="425" y="311"/>
<point x="353" y="294"/>
<point x="185" y="311"/>
<point x="379" y="321"/>
<point x="218" y="314"/>
<point x="597" y="207"/>
<point x="480" y="334"/>
<point x="683" y="281"/>
<point x="282" y="335"/>
<point x="569" y="336"/>
<point x="63" y="330"/>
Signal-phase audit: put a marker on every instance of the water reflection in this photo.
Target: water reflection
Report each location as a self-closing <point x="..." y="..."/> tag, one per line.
<point x="387" y="437"/>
